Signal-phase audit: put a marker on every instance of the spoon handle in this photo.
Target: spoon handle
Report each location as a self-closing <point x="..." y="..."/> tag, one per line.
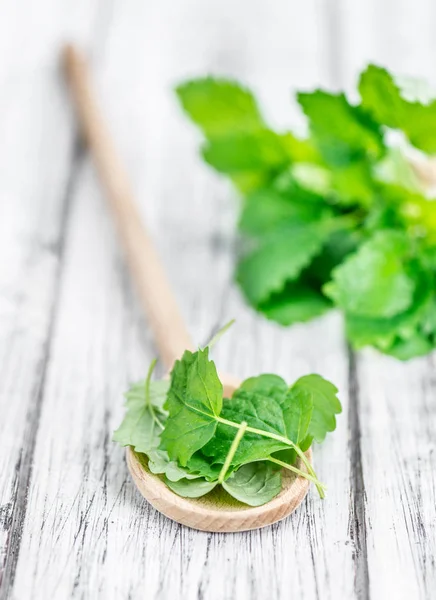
<point x="155" y="293"/>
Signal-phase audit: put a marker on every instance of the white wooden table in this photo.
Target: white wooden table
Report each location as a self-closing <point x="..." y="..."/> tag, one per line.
<point x="72" y="336"/>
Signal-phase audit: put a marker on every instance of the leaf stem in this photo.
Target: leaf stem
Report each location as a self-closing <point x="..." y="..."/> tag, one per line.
<point x="300" y="473"/>
<point x="284" y="440"/>
<point x="238" y="437"/>
<point x="148" y="381"/>
<point x="148" y="403"/>
<point x="220" y="333"/>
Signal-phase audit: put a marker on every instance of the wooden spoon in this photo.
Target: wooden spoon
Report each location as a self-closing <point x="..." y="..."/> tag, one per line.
<point x="216" y="511"/>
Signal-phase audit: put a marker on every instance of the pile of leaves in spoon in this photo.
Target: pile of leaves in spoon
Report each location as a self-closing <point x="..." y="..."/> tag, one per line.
<point x="197" y="440"/>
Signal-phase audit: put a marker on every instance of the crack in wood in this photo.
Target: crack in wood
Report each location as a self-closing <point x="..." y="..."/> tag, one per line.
<point x="357" y="520"/>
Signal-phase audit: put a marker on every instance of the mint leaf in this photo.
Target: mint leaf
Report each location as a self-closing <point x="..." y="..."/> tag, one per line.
<point x="245" y="152"/>
<point x="265" y="210"/>
<point x="343" y="131"/>
<point x="159" y="464"/>
<point x="220" y="106"/>
<point x="191" y="488"/>
<point x="326" y="405"/>
<point x="194" y="400"/>
<point x="280" y="258"/>
<point x="417" y="345"/>
<point x="203" y="466"/>
<point x="382" y="332"/>
<point x="382" y="97"/>
<point x="374" y="281"/>
<point x="268" y="405"/>
<point x="254" y="484"/>
<point x="296" y="303"/>
<point x="145" y="417"/>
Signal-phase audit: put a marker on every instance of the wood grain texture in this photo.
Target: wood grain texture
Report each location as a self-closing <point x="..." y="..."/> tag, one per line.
<point x="37" y="162"/>
<point x="72" y="524"/>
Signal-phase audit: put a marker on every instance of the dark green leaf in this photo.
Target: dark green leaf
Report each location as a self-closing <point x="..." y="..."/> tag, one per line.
<point x="297" y="302"/>
<point x="280" y="258"/>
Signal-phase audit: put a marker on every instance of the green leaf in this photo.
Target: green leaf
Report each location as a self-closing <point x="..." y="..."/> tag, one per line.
<point x="417" y="345"/>
<point x="246" y="152"/>
<point x="144" y="420"/>
<point x="297" y="302"/>
<point x="194" y="400"/>
<point x="191" y="488"/>
<point x="326" y="405"/>
<point x="343" y="131"/>
<point x="280" y="258"/>
<point x="382" y="332"/>
<point x="219" y="106"/>
<point x="353" y="184"/>
<point x="254" y="484"/>
<point x="267" y="404"/>
<point x="267" y="209"/>
<point x="382" y="98"/>
<point x="298" y="412"/>
<point x="258" y="401"/>
<point x="374" y="281"/>
<point x="203" y="466"/>
<point x="301" y="150"/>
<point x="159" y="463"/>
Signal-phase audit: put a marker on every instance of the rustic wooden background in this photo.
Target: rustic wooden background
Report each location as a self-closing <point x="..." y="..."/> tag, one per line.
<point x="72" y="525"/>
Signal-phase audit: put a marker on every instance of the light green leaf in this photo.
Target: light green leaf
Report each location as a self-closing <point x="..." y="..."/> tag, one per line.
<point x="382" y="98"/>
<point x="219" y="106"/>
<point x="159" y="463"/>
<point x="191" y="488"/>
<point x="343" y="131"/>
<point x="373" y="282"/>
<point x="254" y="484"/>
<point x="246" y="152"/>
<point x="417" y="345"/>
<point x="194" y="400"/>
<point x="298" y="411"/>
<point x="325" y="402"/>
<point x="143" y="421"/>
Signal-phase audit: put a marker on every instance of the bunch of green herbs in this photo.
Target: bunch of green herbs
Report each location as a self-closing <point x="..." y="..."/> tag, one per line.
<point x="337" y="219"/>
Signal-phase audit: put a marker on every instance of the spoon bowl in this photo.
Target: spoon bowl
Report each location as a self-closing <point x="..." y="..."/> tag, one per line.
<point x="217" y="511"/>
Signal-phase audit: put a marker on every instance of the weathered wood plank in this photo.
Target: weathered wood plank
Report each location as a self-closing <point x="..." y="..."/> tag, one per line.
<point x="36" y="162"/>
<point x="396" y="401"/>
<point x="87" y="530"/>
